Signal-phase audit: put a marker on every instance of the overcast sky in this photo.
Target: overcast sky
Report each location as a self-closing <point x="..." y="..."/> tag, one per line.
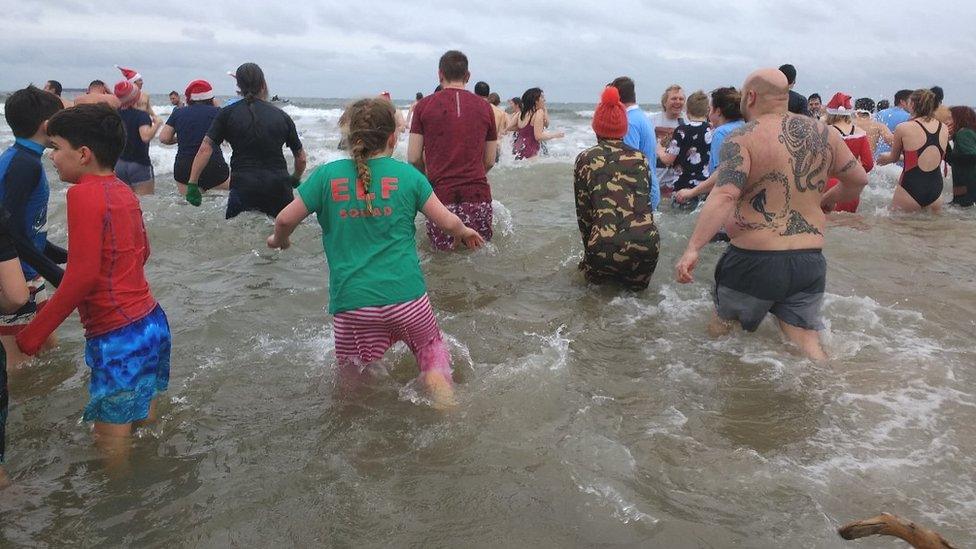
<point x="569" y="48"/>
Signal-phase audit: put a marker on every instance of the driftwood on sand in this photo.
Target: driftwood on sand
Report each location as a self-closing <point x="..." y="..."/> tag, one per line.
<point x="887" y="524"/>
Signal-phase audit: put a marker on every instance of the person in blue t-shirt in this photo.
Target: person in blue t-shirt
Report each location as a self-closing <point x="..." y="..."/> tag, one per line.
<point x="187" y="127"/>
<point x="640" y="134"/>
<point x="725" y="117"/>
<point x="24" y="195"/>
<point x="893" y="116"/>
<point x="134" y="166"/>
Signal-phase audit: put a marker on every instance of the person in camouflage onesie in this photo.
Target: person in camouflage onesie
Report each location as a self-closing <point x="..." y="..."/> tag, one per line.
<point x="620" y="240"/>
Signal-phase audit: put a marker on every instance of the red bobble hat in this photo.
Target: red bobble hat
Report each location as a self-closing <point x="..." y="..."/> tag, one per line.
<point x="199" y="90"/>
<point x="129" y="74"/>
<point x="610" y="117"/>
<point x="127" y="93"/>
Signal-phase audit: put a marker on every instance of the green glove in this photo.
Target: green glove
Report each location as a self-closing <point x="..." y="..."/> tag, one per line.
<point x="193" y="195"/>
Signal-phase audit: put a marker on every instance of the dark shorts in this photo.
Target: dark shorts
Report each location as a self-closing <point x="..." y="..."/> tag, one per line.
<point x="267" y="191"/>
<point x="215" y="173"/>
<point x="3" y="400"/>
<point x="134" y="173"/>
<point x="129" y="368"/>
<point x="790" y="284"/>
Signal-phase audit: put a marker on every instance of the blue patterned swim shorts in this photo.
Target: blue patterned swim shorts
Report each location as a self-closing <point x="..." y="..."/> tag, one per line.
<point x="129" y="367"/>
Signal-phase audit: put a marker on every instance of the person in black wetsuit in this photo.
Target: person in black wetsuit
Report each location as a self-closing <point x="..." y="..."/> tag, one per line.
<point x="256" y="131"/>
<point x="923" y="140"/>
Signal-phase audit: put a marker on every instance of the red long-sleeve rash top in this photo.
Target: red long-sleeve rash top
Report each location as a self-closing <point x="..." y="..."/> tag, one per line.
<point x="104" y="279"/>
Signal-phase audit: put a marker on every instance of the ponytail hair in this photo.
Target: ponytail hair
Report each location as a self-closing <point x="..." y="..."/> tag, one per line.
<point x="251" y="82"/>
<point x="924" y="103"/>
<point x="371" y="122"/>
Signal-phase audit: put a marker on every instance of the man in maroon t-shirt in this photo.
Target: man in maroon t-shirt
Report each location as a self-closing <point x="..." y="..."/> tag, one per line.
<point x="453" y="140"/>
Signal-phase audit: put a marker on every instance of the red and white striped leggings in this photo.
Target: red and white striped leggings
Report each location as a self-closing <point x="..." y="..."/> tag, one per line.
<point x="363" y="335"/>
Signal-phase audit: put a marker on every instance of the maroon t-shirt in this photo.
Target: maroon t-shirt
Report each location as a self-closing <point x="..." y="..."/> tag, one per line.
<point x="455" y="124"/>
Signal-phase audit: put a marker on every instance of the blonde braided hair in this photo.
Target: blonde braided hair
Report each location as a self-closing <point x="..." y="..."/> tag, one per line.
<point x="371" y="122"/>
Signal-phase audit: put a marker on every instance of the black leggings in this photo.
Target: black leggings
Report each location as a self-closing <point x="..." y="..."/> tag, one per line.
<point x="267" y="191"/>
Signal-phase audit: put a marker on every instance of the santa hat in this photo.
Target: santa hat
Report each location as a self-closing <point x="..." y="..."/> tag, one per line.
<point x="610" y="117"/>
<point x="127" y="93"/>
<point x="840" y="104"/>
<point x="199" y="90"/>
<point x="129" y="74"/>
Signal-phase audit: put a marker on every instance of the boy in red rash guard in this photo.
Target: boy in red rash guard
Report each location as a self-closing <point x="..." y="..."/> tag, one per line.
<point x="128" y="336"/>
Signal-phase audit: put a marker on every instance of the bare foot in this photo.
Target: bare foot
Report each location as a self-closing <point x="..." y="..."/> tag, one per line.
<point x="440" y="388"/>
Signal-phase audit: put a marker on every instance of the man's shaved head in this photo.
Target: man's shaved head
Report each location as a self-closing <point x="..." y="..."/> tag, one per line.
<point x="765" y="91"/>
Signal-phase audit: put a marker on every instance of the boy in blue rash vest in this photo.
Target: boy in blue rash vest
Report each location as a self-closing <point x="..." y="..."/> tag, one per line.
<point x="24" y="193"/>
<point x="640" y="134"/>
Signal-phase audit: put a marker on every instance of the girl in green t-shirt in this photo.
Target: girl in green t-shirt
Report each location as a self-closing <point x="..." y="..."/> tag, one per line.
<point x="366" y="208"/>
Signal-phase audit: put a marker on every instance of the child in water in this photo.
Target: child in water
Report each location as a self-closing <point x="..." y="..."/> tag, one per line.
<point x="128" y="337"/>
<point x="367" y="207"/>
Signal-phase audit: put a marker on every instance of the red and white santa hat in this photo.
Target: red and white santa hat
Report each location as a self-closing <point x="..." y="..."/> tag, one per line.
<point x="840" y="104"/>
<point x="199" y="90"/>
<point x="127" y="93"/>
<point x="129" y="74"/>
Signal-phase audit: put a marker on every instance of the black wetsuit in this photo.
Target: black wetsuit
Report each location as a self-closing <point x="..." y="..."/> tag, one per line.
<point x="924" y="187"/>
<point x="259" y="174"/>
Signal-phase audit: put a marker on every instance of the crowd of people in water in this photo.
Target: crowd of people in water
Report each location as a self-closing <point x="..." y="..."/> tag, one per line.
<point x="761" y="165"/>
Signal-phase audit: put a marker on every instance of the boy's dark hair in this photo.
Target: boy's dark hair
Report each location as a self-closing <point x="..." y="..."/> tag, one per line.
<point x="883" y="104"/>
<point x="98" y="127"/>
<point x="26" y="109"/>
<point x="419" y="96"/>
<point x="174" y="92"/>
<point x="625" y="85"/>
<point x="789" y="71"/>
<point x="902" y="95"/>
<point x="864" y="104"/>
<point x="55" y="86"/>
<point x="453" y="65"/>
<point x="815" y="96"/>
<point x="727" y="101"/>
<point x="94" y="83"/>
<point x="481" y="89"/>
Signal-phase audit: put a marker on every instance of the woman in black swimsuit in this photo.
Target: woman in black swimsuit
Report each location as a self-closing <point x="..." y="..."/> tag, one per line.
<point x="923" y="139"/>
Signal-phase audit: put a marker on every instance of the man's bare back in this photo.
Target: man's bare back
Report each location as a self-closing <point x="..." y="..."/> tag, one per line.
<point x="789" y="159"/>
<point x="876" y="131"/>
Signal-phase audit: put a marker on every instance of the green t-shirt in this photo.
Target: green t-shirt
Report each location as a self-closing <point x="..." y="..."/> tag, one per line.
<point x="372" y="255"/>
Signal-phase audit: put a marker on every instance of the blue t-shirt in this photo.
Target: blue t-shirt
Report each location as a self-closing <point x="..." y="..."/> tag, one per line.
<point x="718" y="137"/>
<point x="191" y="124"/>
<point x="640" y="135"/>
<point x="24" y="192"/>
<point x="891" y="118"/>
<point x="136" y="150"/>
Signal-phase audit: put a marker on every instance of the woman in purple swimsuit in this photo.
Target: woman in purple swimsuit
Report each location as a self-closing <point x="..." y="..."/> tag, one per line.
<point x="531" y="127"/>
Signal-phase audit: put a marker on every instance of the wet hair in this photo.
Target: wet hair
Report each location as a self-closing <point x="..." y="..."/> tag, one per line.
<point x="625" y="85"/>
<point x="481" y="89"/>
<point x="902" y="95"/>
<point x="835" y="118"/>
<point x="814" y="96"/>
<point x="371" y="123"/>
<point x="697" y="104"/>
<point x="453" y="65"/>
<point x="790" y="72"/>
<point x="529" y="100"/>
<point x="923" y="103"/>
<point x="517" y="101"/>
<point x="98" y="83"/>
<point x="963" y="117"/>
<point x="251" y="82"/>
<point x="419" y="96"/>
<point x="98" y="127"/>
<point x="55" y="87"/>
<point x="939" y="95"/>
<point x="26" y="109"/>
<point x="728" y="102"/>
<point x="667" y="92"/>
<point x="883" y="104"/>
<point x="494" y="99"/>
<point x="864" y="104"/>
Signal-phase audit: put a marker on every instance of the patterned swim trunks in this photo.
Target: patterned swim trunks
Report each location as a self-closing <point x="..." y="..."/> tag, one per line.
<point x="477" y="215"/>
<point x="129" y="367"/>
